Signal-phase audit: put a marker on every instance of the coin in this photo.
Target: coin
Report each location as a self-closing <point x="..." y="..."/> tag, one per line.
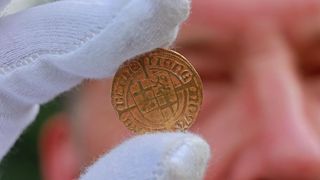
<point x="157" y="91"/>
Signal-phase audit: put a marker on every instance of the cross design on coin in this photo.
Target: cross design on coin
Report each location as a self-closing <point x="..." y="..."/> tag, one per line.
<point x="157" y="91"/>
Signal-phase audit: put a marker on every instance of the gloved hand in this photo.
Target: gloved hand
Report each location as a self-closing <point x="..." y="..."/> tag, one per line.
<point x="160" y="156"/>
<point x="48" y="49"/>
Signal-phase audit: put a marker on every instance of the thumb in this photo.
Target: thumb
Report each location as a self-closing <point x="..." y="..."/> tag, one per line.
<point x="160" y="156"/>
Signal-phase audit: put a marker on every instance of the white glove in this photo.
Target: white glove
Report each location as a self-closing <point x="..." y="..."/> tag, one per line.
<point x="3" y="4"/>
<point x="50" y="48"/>
<point x="12" y="6"/>
<point x="161" y="156"/>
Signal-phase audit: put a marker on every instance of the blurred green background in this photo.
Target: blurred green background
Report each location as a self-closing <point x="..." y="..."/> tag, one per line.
<point x="22" y="163"/>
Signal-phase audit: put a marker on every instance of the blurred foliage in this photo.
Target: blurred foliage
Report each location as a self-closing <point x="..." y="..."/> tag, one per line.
<point x="22" y="161"/>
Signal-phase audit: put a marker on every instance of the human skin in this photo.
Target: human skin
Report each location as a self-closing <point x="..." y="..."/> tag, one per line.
<point x="260" y="66"/>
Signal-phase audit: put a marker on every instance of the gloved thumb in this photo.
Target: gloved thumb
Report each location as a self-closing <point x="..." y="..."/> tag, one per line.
<point x="160" y="156"/>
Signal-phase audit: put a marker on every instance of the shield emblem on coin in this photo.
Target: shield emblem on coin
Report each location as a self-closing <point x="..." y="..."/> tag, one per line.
<point x="157" y="91"/>
<point x="155" y="97"/>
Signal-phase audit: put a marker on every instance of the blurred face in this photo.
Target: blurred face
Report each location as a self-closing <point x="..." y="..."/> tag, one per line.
<point x="260" y="63"/>
<point x="260" y="66"/>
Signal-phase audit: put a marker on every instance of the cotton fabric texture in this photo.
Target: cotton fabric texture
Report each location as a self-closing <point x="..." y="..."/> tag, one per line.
<point x="48" y="49"/>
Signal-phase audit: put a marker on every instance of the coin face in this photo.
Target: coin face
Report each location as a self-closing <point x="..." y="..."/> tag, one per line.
<point x="157" y="91"/>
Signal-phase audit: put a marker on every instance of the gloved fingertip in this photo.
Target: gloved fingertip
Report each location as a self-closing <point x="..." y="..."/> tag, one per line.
<point x="160" y="156"/>
<point x="180" y="8"/>
<point x="186" y="161"/>
<point x="175" y="9"/>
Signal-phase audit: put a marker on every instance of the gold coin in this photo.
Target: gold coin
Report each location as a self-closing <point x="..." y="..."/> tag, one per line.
<point x="157" y="91"/>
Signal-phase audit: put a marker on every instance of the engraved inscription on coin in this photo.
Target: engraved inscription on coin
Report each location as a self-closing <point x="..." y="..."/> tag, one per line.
<point x="157" y="91"/>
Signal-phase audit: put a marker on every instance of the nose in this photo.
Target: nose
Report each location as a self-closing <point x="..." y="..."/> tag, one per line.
<point x="285" y="145"/>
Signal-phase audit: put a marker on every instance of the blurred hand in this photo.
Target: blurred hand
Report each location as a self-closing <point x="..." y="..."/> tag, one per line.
<point x="49" y="49"/>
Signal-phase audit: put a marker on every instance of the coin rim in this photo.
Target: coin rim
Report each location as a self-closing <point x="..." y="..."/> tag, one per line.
<point x="187" y="62"/>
